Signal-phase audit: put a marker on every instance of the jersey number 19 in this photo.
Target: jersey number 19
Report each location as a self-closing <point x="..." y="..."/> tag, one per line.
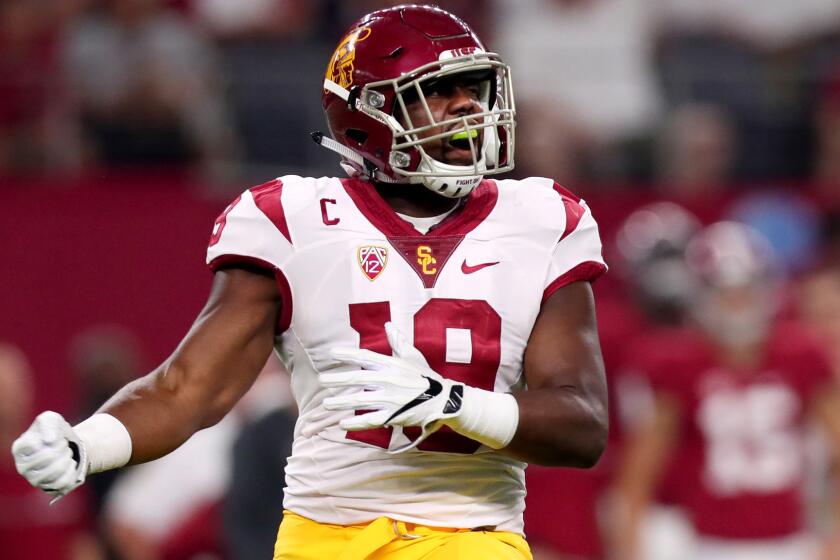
<point x="434" y="323"/>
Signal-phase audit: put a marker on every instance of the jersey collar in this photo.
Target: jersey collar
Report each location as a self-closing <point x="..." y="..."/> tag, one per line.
<point x="479" y="203"/>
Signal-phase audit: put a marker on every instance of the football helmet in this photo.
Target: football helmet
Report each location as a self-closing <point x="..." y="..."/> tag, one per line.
<point x="382" y="64"/>
<point x="651" y="246"/>
<point x="732" y="254"/>
<point x="740" y="282"/>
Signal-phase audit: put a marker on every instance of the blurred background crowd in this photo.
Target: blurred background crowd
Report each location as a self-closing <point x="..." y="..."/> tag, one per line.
<point x="704" y="135"/>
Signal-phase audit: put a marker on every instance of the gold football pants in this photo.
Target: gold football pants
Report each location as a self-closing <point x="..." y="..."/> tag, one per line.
<point x="386" y="539"/>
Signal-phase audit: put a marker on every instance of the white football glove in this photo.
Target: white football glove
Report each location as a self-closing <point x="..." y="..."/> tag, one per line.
<point x="401" y="390"/>
<point x="51" y="456"/>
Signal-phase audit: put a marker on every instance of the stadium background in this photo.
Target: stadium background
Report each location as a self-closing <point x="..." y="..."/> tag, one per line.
<point x="126" y="126"/>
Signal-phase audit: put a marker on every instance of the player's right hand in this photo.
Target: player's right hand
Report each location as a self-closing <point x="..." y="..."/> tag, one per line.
<point x="50" y="455"/>
<point x="408" y="391"/>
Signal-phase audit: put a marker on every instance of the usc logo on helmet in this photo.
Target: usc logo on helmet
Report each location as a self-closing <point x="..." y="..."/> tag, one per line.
<point x="340" y="68"/>
<point x="426" y="261"/>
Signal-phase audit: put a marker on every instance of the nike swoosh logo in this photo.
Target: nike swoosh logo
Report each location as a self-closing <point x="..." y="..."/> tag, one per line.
<point x="456" y="395"/>
<point x="435" y="388"/>
<point x="467" y="269"/>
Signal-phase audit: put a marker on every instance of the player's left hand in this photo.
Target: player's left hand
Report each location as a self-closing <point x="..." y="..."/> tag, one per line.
<point x="399" y="390"/>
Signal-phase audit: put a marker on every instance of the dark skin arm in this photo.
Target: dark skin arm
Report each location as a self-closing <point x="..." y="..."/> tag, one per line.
<point x="563" y="414"/>
<point x="214" y="365"/>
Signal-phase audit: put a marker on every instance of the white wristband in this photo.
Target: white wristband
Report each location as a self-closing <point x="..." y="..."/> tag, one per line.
<point x="487" y="417"/>
<point x="106" y="440"/>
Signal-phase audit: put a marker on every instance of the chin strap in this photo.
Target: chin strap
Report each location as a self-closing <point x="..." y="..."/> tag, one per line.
<point x="325" y="141"/>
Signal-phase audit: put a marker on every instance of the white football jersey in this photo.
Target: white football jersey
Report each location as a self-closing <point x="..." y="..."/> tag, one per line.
<point x="467" y="293"/>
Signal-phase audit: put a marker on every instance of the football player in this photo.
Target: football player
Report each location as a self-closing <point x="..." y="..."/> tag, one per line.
<point x="412" y="302"/>
<point x="733" y="399"/>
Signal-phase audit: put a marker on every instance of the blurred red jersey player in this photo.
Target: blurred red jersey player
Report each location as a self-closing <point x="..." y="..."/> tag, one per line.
<point x="652" y="303"/>
<point x="732" y="400"/>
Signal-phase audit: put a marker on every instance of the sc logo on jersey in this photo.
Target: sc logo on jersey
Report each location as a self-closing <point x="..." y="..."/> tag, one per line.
<point x="426" y="261"/>
<point x="372" y="260"/>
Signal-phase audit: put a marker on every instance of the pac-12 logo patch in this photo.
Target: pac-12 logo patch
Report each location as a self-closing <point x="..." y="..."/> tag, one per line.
<point x="372" y="260"/>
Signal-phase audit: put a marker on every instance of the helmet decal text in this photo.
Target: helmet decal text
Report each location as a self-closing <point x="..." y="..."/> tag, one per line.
<point x="463" y="51"/>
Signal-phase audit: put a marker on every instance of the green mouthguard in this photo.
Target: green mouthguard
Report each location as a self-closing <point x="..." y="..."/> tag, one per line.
<point x="464" y="134"/>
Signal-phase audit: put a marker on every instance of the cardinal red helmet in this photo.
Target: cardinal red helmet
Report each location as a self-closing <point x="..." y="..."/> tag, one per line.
<point x="388" y="56"/>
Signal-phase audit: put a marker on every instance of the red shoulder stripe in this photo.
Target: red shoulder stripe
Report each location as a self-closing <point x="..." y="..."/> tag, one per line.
<point x="588" y="271"/>
<point x="267" y="199"/>
<point x="566" y="193"/>
<point x="574" y="210"/>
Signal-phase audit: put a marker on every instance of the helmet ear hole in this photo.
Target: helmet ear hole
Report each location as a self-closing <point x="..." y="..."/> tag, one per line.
<point x="356" y="135"/>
